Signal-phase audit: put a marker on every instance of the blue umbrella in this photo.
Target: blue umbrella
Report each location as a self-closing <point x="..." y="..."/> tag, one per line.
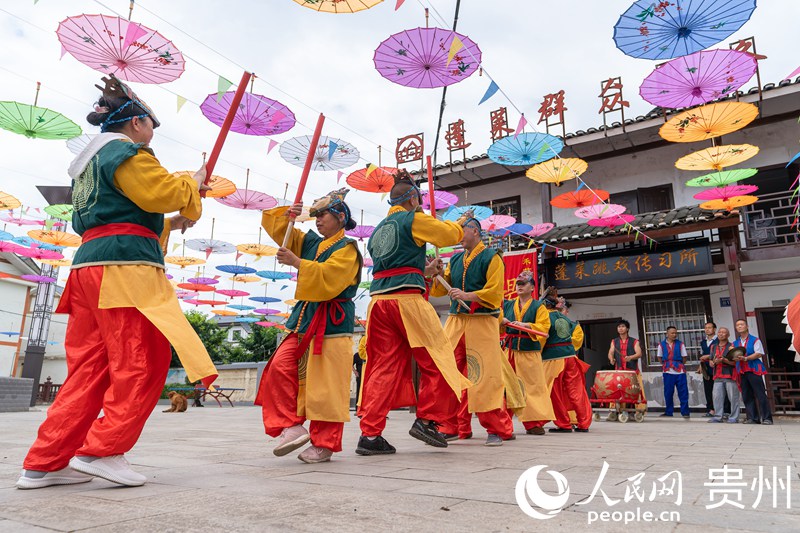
<point x="513" y="229"/>
<point x="650" y="30"/>
<point x="236" y="269"/>
<point x="9" y="333"/>
<point x="248" y="319"/>
<point x="242" y="307"/>
<point x="480" y="212"/>
<point x="273" y="275"/>
<point x="27" y="241"/>
<point x="6" y="236"/>
<point x="525" y="149"/>
<point x="264" y="299"/>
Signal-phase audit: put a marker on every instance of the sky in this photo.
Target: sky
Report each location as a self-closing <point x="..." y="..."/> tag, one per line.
<point x="317" y="62"/>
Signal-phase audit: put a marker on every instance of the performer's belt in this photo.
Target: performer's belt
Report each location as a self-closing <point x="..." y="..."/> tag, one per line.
<point x="555" y="344"/>
<point x="319" y="323"/>
<point x="399" y="271"/>
<point x="117" y="228"/>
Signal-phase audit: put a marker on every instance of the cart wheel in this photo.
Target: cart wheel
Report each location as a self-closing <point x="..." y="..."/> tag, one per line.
<point x="623" y="417"/>
<point x="638" y="416"/>
<point x="595" y="416"/>
<point x="612" y="416"/>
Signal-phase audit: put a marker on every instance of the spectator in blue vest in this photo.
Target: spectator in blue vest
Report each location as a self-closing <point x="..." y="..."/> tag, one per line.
<point x="706" y="349"/>
<point x="672" y="353"/>
<point x="751" y="369"/>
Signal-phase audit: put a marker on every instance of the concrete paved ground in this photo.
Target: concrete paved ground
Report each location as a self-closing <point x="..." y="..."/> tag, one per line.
<point x="213" y="468"/>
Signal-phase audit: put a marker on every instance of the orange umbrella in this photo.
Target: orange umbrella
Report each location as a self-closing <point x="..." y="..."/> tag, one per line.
<point x="290" y="302"/>
<point x="212" y="303"/>
<point x="8" y="202"/>
<point x="708" y="121"/>
<point x="57" y="262"/>
<point x="380" y="179"/>
<point x="196" y="287"/>
<point x="284" y="315"/>
<point x="717" y="157"/>
<point x="243" y="278"/>
<point x="56" y="238"/>
<point x="557" y="170"/>
<point x="183" y="260"/>
<point x="581" y="198"/>
<point x="258" y="250"/>
<point x="224" y="312"/>
<point x="729" y="204"/>
<point x="338" y="6"/>
<point x="220" y="187"/>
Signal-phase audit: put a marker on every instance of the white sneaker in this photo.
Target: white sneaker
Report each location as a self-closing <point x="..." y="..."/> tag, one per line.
<point x="115" y="468"/>
<point x="34" y="479"/>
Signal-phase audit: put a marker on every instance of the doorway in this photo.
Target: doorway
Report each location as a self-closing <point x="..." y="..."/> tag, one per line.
<point x="772" y="333"/>
<point x="597" y="339"/>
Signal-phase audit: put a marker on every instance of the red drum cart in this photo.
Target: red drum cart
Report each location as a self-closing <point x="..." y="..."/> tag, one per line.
<point x="622" y="392"/>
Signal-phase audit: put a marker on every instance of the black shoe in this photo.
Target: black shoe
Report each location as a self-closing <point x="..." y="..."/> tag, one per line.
<point x="664" y="414"/>
<point x="449" y="436"/>
<point x="427" y="433"/>
<point x="751" y="421"/>
<point x="535" y="431"/>
<point x="560" y="430"/>
<point x="687" y="417"/>
<point x="377" y="446"/>
<point x="582" y="430"/>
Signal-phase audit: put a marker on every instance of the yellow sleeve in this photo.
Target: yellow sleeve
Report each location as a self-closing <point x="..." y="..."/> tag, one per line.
<point x="491" y="295"/>
<point x="275" y="223"/>
<point x="164" y="239"/>
<point x="362" y="347"/>
<point x="542" y="323"/>
<point x="577" y="337"/>
<point x="439" y="233"/>
<point x="437" y="289"/>
<point x="319" y="282"/>
<point x="150" y="186"/>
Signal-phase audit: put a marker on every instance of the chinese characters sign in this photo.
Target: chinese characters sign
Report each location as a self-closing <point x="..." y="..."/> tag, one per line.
<point x="627" y="268"/>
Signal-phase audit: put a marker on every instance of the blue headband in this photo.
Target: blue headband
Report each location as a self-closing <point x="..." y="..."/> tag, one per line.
<point x="406" y="195"/>
<point x="107" y="122"/>
<point x="473" y="223"/>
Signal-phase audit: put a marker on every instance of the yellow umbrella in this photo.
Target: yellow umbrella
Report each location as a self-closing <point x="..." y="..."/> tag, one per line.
<point x="708" y="121"/>
<point x="717" y="157"/>
<point x="283" y="315"/>
<point x="557" y="170"/>
<point x="8" y="202"/>
<point x="220" y="187"/>
<point x="183" y="260"/>
<point x="56" y="238"/>
<point x="243" y="278"/>
<point x="729" y="204"/>
<point x="338" y="6"/>
<point x="56" y="262"/>
<point x="290" y="302"/>
<point x="258" y="250"/>
<point x="224" y="312"/>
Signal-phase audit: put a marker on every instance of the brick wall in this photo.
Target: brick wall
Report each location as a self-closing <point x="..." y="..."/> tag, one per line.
<point x="15" y="394"/>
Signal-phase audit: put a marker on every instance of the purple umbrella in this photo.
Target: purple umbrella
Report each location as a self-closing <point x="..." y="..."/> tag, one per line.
<point x="698" y="78"/>
<point x="267" y="311"/>
<point x="203" y="281"/>
<point x="257" y="115"/>
<point x="361" y="232"/>
<point x="443" y="199"/>
<point x="419" y="58"/>
<point x="37" y="279"/>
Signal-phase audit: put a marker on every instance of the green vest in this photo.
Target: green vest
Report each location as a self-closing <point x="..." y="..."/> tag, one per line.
<point x="559" y="342"/>
<point x="392" y="246"/>
<point x="306" y="310"/>
<point x="97" y="202"/>
<point x="474" y="280"/>
<point x="521" y="344"/>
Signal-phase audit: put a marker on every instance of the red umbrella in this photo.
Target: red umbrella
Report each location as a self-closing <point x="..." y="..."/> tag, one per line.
<point x="580" y="198"/>
<point x="211" y="302"/>
<point x="380" y="179"/>
<point x="196" y="287"/>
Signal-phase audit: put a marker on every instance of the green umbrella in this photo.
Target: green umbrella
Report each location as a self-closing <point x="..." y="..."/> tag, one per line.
<point x="36" y="122"/>
<point x="364" y="284"/>
<point x="447" y="250"/>
<point x="722" y="178"/>
<point x="62" y="211"/>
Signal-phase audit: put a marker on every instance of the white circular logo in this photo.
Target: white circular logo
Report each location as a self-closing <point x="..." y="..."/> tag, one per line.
<point x="528" y="492"/>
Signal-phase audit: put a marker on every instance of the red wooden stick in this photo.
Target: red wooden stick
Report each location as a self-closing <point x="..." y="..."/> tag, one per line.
<point x="304" y="177"/>
<point x="430" y="186"/>
<point x="527" y="330"/>
<point x="535" y="274"/>
<point x="226" y="126"/>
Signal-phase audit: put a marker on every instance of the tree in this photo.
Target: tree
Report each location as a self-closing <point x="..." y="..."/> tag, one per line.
<point x="260" y="343"/>
<point x="212" y="336"/>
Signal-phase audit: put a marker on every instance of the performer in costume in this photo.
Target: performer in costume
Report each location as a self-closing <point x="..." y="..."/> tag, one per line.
<point x="751" y="370"/>
<point x="123" y="313"/>
<point x="570" y="401"/>
<point x="624" y="353"/>
<point x="308" y="376"/>
<point x="476" y="277"/>
<point x="672" y="353"/>
<point x="525" y="352"/>
<point x="401" y="324"/>
<point x="726" y="387"/>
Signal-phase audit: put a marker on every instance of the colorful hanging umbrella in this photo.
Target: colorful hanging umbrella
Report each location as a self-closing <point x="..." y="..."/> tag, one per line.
<point x="6" y="236"/>
<point x="331" y="154"/>
<point x="10" y="247"/>
<point x="264" y="299"/>
<point x="39" y="253"/>
<point x="725" y="193"/>
<point x="380" y="179"/>
<point x="258" y="250"/>
<point x="273" y="275"/>
<point x="721" y="179"/>
<point x="77" y="144"/>
<point x="368" y="262"/>
<point x="432" y="252"/>
<point x="220" y="186"/>
<point x="224" y="312"/>
<point x="338" y="6"/>
<point x="203" y="280"/>
<point x="513" y="229"/>
<point x="36" y="122"/>
<point x="24" y="240"/>
<point x="365" y="285"/>
<point x="579" y="198"/>
<point x="243" y="278"/>
<point x="494" y="222"/>
<point x="540" y="229"/>
<point x="183" y="261"/>
<point x="247" y="199"/>
<point x="708" y="121"/>
<point x="211" y="246"/>
<point x="236" y="269"/>
<point x="37" y="278"/>
<point x="232" y="293"/>
<point x="717" y="157"/>
<point x="20" y="221"/>
<point x="266" y="323"/>
<point x="57" y="262"/>
<point x="426" y="58"/>
<point x="612" y="221"/>
<point x="454" y="212"/>
<point x="665" y="29"/>
<point x="525" y="149"/>
<point x="61" y="211"/>
<point x="557" y="170"/>
<point x="290" y="301"/>
<point x="257" y="115"/>
<point x="212" y="303"/>
<point x="729" y="204"/>
<point x="8" y="202"/>
<point x="196" y="287"/>
<point x="698" y="78"/>
<point x="182" y="295"/>
<point x="267" y="311"/>
<point x="443" y="199"/>
<point x="128" y="50"/>
<point x="241" y="307"/>
<point x="600" y="211"/>
<point x="360" y="232"/>
<point x="56" y="238"/>
<point x="248" y="319"/>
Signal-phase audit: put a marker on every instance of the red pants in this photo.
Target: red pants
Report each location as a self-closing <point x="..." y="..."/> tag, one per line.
<point x="496" y="422"/>
<point x="117" y="361"/>
<point x="569" y="394"/>
<point x="387" y="374"/>
<point x="280" y="384"/>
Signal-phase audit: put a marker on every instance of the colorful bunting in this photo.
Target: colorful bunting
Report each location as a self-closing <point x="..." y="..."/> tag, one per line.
<point x="521" y="125"/>
<point x="455" y="46"/>
<point x="339" y="175"/>
<point x="370" y="169"/>
<point x="134" y="32"/>
<point x="396" y="6"/>
<point x="222" y="87"/>
<point x="332" y="146"/>
<point x="272" y="145"/>
<point x="181" y="101"/>
<point x="493" y="88"/>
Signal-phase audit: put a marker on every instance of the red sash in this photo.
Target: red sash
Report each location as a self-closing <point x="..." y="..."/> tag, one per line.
<point x="319" y="322"/>
<point x="399" y="271"/>
<point x="119" y="228"/>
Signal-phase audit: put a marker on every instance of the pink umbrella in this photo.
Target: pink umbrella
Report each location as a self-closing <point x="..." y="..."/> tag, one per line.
<point x="37" y="279"/>
<point x="39" y="253"/>
<point x="443" y="199"/>
<point x="698" y="78"/>
<point x="723" y="193"/>
<point x="422" y="58"/>
<point x="361" y="232"/>
<point x="266" y="324"/>
<point x="267" y="311"/>
<point x="247" y="199"/>
<point x="233" y="293"/>
<point x="20" y="221"/>
<point x="257" y="115"/>
<point x="184" y="295"/>
<point x="612" y="221"/>
<point x="10" y="247"/>
<point x="128" y="50"/>
<point x="541" y="229"/>
<point x="368" y="262"/>
<point x="497" y="221"/>
<point x="203" y="281"/>
<point x="191" y="301"/>
<point x="600" y="211"/>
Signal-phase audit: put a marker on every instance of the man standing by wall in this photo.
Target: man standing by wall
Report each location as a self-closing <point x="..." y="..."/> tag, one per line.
<point x="751" y="369"/>
<point x="672" y="353"/>
<point x="705" y="369"/>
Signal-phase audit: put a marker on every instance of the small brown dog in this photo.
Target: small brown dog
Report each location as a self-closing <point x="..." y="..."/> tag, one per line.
<point x="179" y="403"/>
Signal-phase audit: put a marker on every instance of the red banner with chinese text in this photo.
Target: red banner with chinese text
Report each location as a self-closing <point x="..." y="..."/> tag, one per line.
<point x="516" y="264"/>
